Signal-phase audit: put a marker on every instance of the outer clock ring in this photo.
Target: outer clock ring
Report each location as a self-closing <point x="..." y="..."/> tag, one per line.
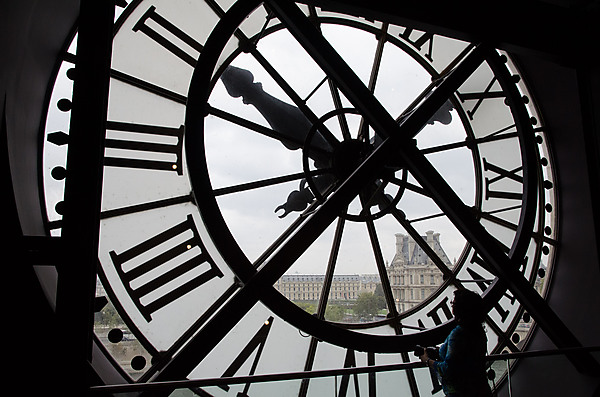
<point x="198" y="98"/>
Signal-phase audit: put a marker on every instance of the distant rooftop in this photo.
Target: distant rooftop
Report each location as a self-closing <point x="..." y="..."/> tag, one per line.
<point x="408" y="252"/>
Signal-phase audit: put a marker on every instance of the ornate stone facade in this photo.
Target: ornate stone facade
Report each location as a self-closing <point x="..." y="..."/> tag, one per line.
<point x="307" y="287"/>
<point x="413" y="275"/>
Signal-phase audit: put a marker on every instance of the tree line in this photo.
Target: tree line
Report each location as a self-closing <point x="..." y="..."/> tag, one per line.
<point x="364" y="308"/>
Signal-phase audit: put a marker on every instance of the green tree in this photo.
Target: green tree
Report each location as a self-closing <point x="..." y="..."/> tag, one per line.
<point x="108" y="317"/>
<point x="335" y="313"/>
<point x="307" y="307"/>
<point x="368" y="305"/>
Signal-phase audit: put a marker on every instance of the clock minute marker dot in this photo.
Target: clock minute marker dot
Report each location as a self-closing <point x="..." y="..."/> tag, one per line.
<point x="64" y="104"/>
<point x="115" y="335"/>
<point x="138" y="363"/>
<point x="59" y="173"/>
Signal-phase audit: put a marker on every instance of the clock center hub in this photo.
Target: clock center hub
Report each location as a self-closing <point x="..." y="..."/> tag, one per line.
<point x="348" y="156"/>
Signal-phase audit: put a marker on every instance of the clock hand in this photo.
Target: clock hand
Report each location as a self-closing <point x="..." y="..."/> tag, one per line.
<point x="284" y="118"/>
<point x="292" y="127"/>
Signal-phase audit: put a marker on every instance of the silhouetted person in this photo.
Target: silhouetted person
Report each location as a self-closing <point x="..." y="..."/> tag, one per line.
<point x="461" y="361"/>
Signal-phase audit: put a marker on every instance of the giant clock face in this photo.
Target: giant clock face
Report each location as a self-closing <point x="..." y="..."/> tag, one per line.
<point x="246" y="141"/>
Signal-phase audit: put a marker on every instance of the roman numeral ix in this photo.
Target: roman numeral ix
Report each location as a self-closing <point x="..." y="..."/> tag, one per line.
<point x="130" y="151"/>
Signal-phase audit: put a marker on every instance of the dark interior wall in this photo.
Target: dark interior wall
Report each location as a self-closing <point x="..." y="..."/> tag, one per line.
<point x="574" y="294"/>
<point x="33" y="33"/>
<point x="577" y="273"/>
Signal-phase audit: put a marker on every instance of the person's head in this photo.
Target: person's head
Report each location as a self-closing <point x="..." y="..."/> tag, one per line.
<point x="467" y="307"/>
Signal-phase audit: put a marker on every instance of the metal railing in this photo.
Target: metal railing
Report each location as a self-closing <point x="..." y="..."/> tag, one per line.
<point x="228" y="381"/>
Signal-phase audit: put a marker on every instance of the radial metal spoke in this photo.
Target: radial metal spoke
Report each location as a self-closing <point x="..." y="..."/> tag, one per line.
<point x="337" y="102"/>
<point x="132" y="209"/>
<point x="363" y="128"/>
<point x="147" y="86"/>
<point x="410" y="186"/>
<point x="323" y="299"/>
<point x="328" y="281"/>
<point x="245" y="123"/>
<point x="283" y="84"/>
<point x="468" y="142"/>
<point x="243" y="187"/>
<point x="385" y="282"/>
<point x="389" y="297"/>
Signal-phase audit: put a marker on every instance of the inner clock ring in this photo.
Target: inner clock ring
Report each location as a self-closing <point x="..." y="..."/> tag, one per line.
<point x="343" y="160"/>
<point x="200" y="91"/>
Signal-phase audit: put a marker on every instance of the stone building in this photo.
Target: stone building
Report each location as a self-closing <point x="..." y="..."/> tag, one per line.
<point x="308" y="287"/>
<point x="413" y="275"/>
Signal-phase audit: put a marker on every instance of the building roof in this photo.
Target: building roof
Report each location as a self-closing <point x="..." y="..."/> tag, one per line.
<point x="408" y="252"/>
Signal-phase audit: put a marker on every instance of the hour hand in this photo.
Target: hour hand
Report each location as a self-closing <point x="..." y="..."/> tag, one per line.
<point x="287" y="120"/>
<point x="291" y="126"/>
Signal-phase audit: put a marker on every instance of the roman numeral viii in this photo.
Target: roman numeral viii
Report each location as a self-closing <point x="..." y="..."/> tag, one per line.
<point x="165" y="267"/>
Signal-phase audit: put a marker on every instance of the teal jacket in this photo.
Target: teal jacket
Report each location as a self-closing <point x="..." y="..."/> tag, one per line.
<point x="461" y="364"/>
